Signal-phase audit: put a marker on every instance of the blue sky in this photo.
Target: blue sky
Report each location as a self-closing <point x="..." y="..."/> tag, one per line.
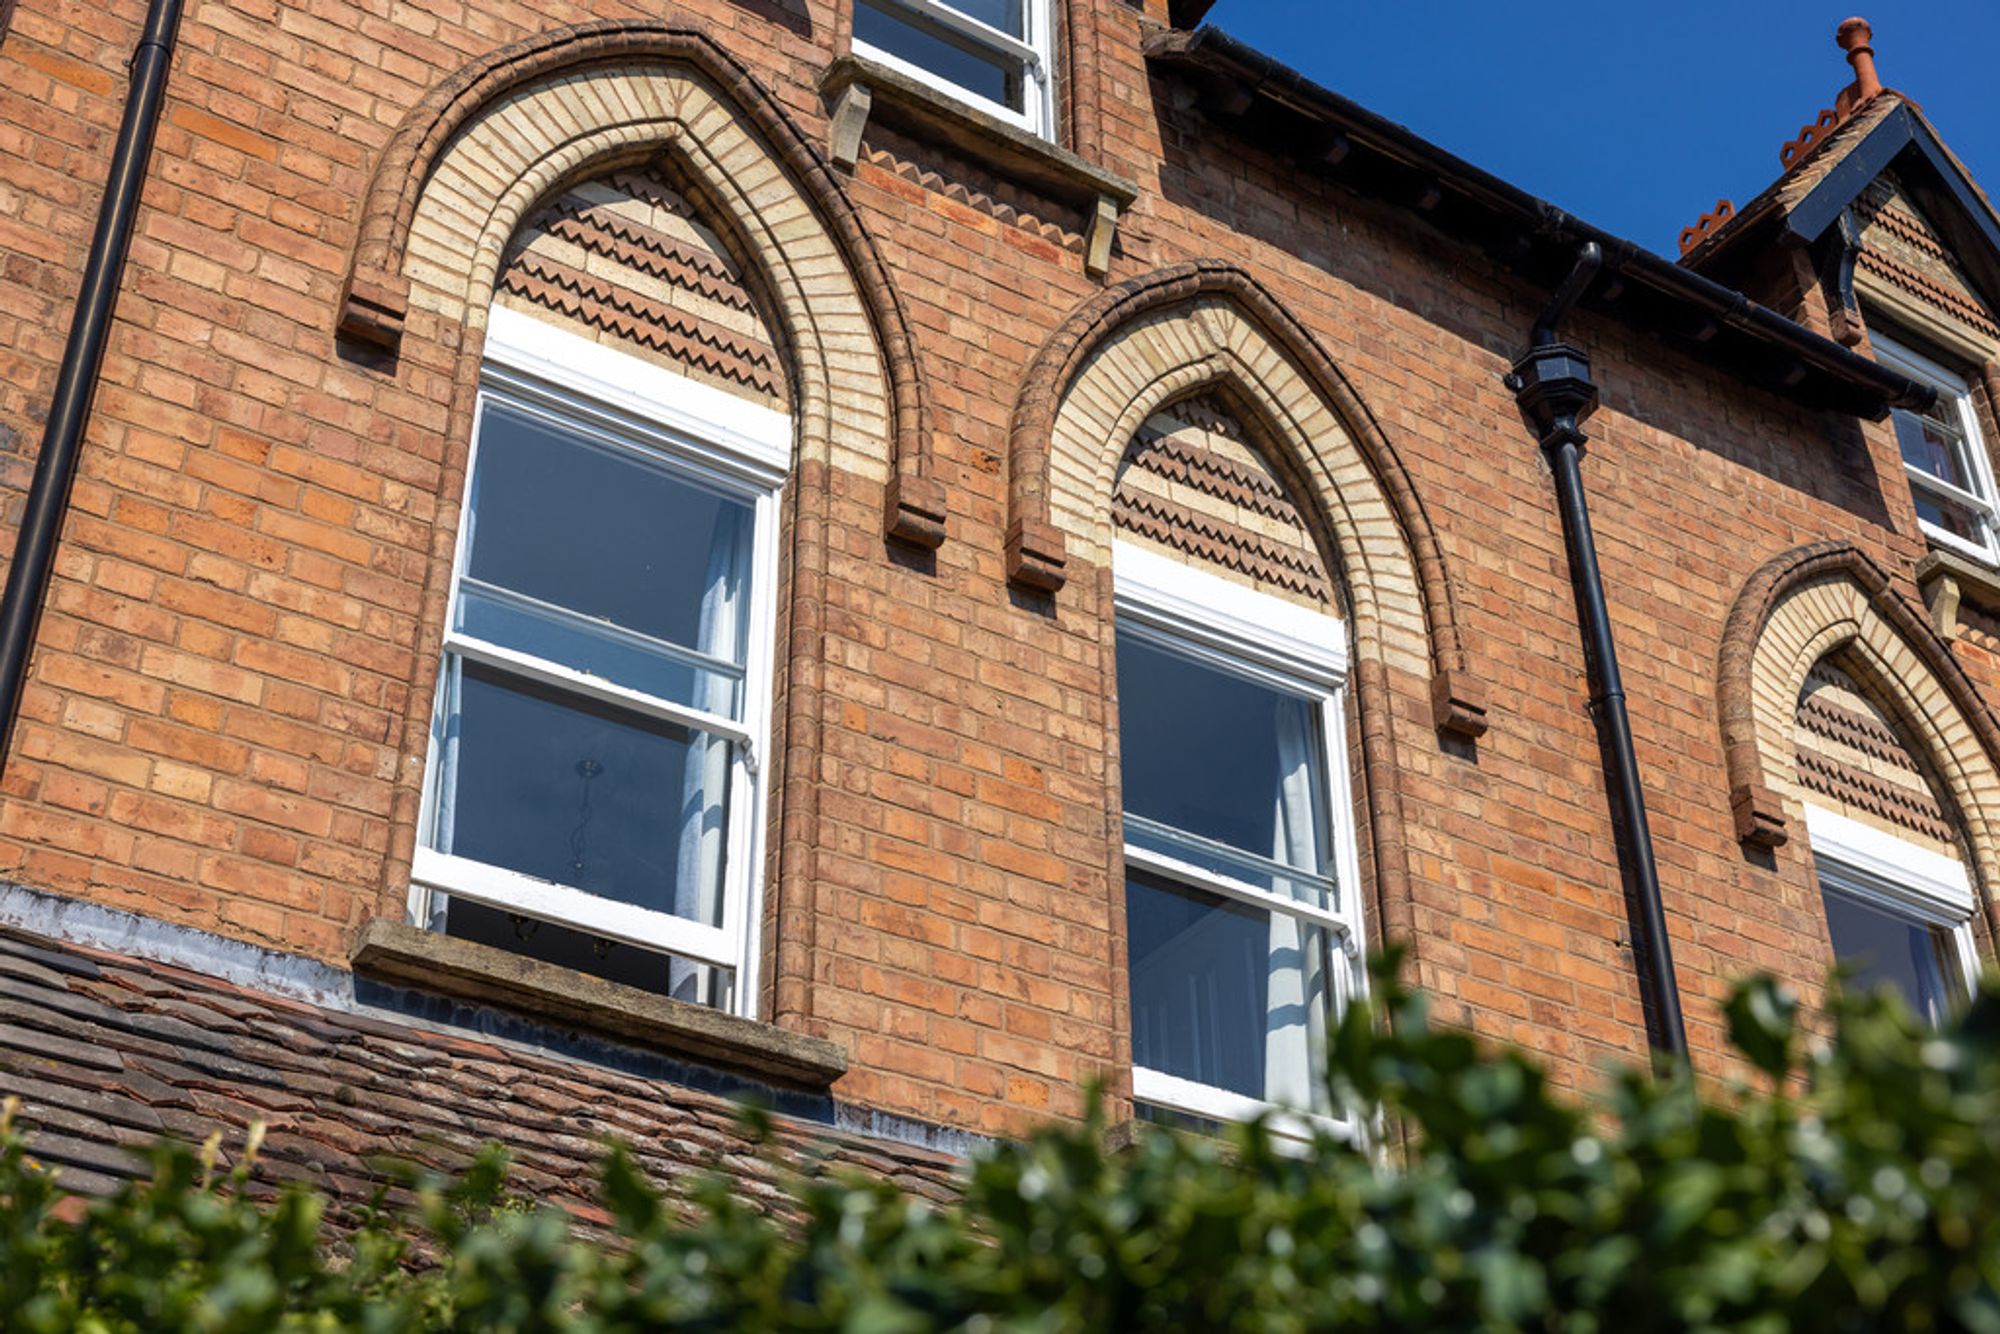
<point x="1654" y="111"/>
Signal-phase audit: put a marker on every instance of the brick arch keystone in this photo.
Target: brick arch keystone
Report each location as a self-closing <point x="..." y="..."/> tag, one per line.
<point x="484" y="146"/>
<point x="1826" y="598"/>
<point x="1150" y="339"/>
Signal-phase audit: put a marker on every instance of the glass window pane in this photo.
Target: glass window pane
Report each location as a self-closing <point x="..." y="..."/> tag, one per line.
<point x="1881" y="948"/>
<point x="952" y="58"/>
<point x="584" y="794"/>
<point x="1221" y="756"/>
<point x="1007" y="15"/>
<point x="1933" y="442"/>
<point x="1227" y="995"/>
<point x="608" y="535"/>
<point x="598" y="648"/>
<point x="1312" y="890"/>
<point x="614" y="961"/>
<point x="1954" y="518"/>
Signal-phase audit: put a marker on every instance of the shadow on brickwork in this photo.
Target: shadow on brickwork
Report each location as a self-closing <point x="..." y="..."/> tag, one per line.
<point x="785" y="13"/>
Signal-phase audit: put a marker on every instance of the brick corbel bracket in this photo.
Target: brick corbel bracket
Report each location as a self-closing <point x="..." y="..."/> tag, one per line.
<point x="1036" y="555"/>
<point x="375" y="298"/>
<point x="859" y="90"/>
<point x="1759" y="814"/>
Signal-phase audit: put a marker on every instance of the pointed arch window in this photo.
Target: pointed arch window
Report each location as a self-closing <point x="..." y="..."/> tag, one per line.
<point x="1242" y="922"/>
<point x="593" y="794"/>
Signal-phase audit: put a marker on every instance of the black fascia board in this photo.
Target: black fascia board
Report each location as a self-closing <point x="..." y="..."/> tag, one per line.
<point x="1539" y="241"/>
<point x="1902" y="142"/>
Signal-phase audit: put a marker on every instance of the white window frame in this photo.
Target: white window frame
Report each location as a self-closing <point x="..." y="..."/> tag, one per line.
<point x="717" y="440"/>
<point x="1254" y="634"/>
<point x="1897" y="877"/>
<point x="1034" y="54"/>
<point x="1986" y="505"/>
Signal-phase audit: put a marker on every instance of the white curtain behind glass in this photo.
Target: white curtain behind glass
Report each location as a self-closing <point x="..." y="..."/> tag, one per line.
<point x="1295" y="1004"/>
<point x="704" y="835"/>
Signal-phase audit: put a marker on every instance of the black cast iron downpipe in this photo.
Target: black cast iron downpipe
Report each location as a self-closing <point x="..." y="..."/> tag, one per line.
<point x="1552" y="384"/>
<point x="90" y="327"/>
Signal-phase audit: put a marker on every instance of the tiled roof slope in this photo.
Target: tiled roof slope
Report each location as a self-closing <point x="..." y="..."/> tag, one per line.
<point x="107" y="1054"/>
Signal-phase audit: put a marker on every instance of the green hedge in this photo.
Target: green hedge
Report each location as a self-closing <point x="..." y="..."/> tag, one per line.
<point x="1869" y="1200"/>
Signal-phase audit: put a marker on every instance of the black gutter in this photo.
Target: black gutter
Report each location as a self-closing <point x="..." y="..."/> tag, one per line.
<point x="83" y="357"/>
<point x="1552" y="385"/>
<point x="1507" y="208"/>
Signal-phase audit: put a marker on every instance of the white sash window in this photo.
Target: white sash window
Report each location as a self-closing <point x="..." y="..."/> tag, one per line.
<point x="1242" y="926"/>
<point x="593" y="793"/>
<point x="992" y="53"/>
<point x="1899" y="915"/>
<point x="1951" y="479"/>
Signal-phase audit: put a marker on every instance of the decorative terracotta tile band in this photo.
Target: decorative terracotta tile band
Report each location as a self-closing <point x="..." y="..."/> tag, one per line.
<point x="1932" y="293"/>
<point x="605" y="305"/>
<point x="375" y="298"/>
<point x="1917" y="812"/>
<point x="639" y="247"/>
<point x="1209" y="472"/>
<point x="1036" y="550"/>
<point x="1223" y="544"/>
<point x="1847" y="728"/>
<point x="1819" y="599"/>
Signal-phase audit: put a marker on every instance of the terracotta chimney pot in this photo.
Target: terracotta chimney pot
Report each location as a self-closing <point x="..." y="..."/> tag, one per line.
<point x="1854" y="37"/>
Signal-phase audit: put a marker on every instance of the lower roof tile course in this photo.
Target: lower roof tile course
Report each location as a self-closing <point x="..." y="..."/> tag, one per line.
<point x="107" y="1053"/>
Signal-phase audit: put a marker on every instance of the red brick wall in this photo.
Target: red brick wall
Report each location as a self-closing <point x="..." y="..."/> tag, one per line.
<point x="242" y="629"/>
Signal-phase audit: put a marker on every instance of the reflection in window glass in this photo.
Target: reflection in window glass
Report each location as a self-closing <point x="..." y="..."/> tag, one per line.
<point x="1933" y="441"/>
<point x="602" y="532"/>
<point x="1225" y="789"/>
<point x="1943" y="454"/>
<point x="1879" y="947"/>
<point x="1006" y="15"/>
<point x="905" y="35"/>
<point x="1222" y="993"/>
<point x="614" y="961"/>
<point x="1218" y="755"/>
<point x="1949" y="515"/>
<point x="584" y="794"/>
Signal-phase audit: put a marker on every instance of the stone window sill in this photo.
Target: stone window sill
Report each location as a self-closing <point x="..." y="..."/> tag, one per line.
<point x="428" y="961"/>
<point x="1947" y="579"/>
<point x="860" y="90"/>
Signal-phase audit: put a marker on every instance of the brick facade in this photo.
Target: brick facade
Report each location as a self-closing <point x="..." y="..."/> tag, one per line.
<point x="230" y="698"/>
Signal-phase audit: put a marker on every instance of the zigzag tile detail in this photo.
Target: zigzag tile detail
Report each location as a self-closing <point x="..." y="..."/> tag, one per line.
<point x="1916" y="811"/>
<point x="1223" y="543"/>
<point x="1917" y="285"/>
<point x="1824" y="719"/>
<point x="638" y="247"/>
<point x="617" y="310"/>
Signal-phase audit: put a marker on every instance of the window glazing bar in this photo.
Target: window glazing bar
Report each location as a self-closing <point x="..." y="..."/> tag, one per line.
<point x="1201" y="878"/>
<point x="964" y="25"/>
<point x="565" y="905"/>
<point x="1964" y="499"/>
<point x="568" y="678"/>
<point x="609" y="631"/>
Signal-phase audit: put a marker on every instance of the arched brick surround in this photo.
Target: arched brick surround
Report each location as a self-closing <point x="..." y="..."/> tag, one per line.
<point x="470" y="164"/>
<point x="472" y="158"/>
<point x="1152" y="339"/>
<point x="1831" y="598"/>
